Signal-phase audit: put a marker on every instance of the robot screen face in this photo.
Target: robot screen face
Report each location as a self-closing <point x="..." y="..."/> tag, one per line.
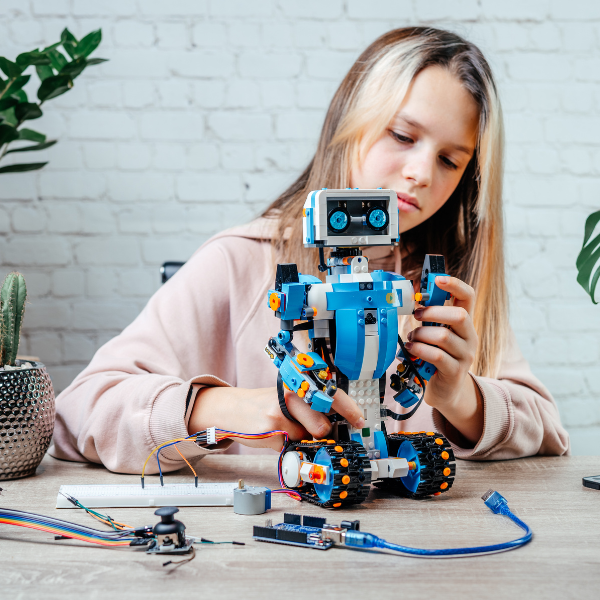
<point x="357" y="216"/>
<point x="350" y="217"/>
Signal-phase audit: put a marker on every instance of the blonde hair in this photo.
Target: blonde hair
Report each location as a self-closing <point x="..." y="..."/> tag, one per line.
<point x="468" y="228"/>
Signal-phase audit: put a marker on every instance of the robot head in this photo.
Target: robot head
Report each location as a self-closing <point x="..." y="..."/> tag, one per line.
<point x="350" y="217"/>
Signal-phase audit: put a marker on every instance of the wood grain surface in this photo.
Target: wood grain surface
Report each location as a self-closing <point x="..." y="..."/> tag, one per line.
<point x="562" y="561"/>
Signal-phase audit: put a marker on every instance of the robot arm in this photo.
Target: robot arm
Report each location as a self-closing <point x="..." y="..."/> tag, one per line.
<point x="305" y="374"/>
<point x="413" y="373"/>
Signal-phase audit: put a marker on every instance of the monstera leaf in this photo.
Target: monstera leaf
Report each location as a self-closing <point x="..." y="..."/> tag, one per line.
<point x="588" y="261"/>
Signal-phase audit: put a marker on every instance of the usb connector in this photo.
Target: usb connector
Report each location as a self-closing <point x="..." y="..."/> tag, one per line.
<point x="495" y="502"/>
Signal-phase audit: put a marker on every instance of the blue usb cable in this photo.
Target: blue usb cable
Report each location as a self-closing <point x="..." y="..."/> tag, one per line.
<point x="493" y="500"/>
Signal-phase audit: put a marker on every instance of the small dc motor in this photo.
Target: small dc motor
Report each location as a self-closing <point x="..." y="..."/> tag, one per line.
<point x="249" y="500"/>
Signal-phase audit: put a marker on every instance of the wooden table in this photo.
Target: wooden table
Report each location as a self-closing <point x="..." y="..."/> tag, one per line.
<point x="562" y="561"/>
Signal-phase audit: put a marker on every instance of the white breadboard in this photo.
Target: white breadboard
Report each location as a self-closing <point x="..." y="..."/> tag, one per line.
<point x="171" y="494"/>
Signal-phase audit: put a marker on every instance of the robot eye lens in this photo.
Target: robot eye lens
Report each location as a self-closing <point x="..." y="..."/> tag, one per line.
<point x="377" y="218"/>
<point x="339" y="220"/>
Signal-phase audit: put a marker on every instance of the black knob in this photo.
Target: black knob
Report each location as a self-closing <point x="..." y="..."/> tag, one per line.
<point x="166" y="513"/>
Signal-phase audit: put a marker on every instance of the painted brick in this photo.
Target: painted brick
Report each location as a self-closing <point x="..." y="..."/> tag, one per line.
<point x="174" y="8"/>
<point x="244" y="34"/>
<point x="99" y="155"/>
<point x="135" y="220"/>
<point x="434" y="10"/>
<point x="381" y="9"/>
<point x="201" y="63"/>
<point x="78" y="347"/>
<point x="93" y="316"/>
<point x="134" y="157"/>
<point x="17" y="186"/>
<point x="172" y="35"/>
<point x="47" y="251"/>
<point x="202" y="157"/>
<point x="115" y="251"/>
<point x="138" y="283"/>
<point x="155" y="252"/>
<point x="28" y="219"/>
<point x="44" y="8"/>
<point x="266" y="188"/>
<point x="310" y="34"/>
<point x="237" y="157"/>
<point x="38" y="282"/>
<point x="240" y="127"/>
<point x="138" y="94"/>
<point x="76" y="186"/>
<point x="101" y="282"/>
<point x="108" y="8"/>
<point x="534" y="10"/>
<point x="101" y="125"/>
<point x="208" y="94"/>
<point x="68" y="282"/>
<point x="47" y="314"/>
<point x="209" y="33"/>
<point x="276" y="34"/>
<point x="169" y="157"/>
<point x="277" y="94"/>
<point x="47" y="345"/>
<point x="172" y="125"/>
<point x="132" y="34"/>
<point x="242" y="8"/>
<point x="575" y="10"/>
<point x="97" y="218"/>
<point x="4" y="221"/>
<point x="174" y="94"/>
<point x="146" y="187"/>
<point x="299" y="126"/>
<point x="242" y="94"/>
<point x="169" y="218"/>
<point x="329" y="65"/>
<point x="539" y="67"/>
<point x="269" y="65"/>
<point x="208" y="187"/>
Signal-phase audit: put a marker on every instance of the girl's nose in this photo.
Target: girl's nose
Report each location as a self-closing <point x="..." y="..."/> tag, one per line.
<point x="419" y="168"/>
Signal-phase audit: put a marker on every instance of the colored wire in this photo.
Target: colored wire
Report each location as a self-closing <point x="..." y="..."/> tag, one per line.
<point x="493" y="500"/>
<point x="96" y="515"/>
<point x="65" y="528"/>
<point x="220" y="435"/>
<point x="186" y="461"/>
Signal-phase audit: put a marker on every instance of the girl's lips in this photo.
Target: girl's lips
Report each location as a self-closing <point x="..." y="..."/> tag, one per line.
<point x="407" y="203"/>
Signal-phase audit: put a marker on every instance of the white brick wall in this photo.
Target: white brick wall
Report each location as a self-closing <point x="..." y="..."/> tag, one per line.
<point x="208" y="108"/>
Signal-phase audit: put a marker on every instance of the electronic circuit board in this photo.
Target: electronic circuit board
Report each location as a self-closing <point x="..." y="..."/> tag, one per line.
<point x="304" y="531"/>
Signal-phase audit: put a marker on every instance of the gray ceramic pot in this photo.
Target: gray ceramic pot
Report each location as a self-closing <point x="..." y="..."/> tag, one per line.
<point x="26" y="419"/>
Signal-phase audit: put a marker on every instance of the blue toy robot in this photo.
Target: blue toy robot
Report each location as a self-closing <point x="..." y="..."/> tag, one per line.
<point x="352" y="322"/>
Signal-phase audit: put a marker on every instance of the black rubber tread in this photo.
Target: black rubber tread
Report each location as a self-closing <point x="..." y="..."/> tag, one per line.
<point x="360" y="479"/>
<point x="432" y="464"/>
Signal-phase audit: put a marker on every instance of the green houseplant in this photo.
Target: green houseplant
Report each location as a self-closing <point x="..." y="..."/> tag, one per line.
<point x="57" y="66"/>
<point x="26" y="393"/>
<point x="588" y="261"/>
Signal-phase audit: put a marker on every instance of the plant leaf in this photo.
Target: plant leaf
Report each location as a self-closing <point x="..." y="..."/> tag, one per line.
<point x="31" y="136"/>
<point x="42" y="146"/>
<point x="44" y="72"/>
<point x="16" y="84"/>
<point x="21" y="96"/>
<point x="89" y="43"/>
<point x="13" y="296"/>
<point x="9" y="68"/>
<point x="7" y="134"/>
<point x="588" y="261"/>
<point x="51" y="47"/>
<point x="69" y="42"/>
<point x="6" y="103"/>
<point x="96" y="61"/>
<point x="8" y="115"/>
<point x="57" y="60"/>
<point x="27" y="111"/>
<point x="54" y="86"/>
<point x="74" y="68"/>
<point x="35" y="57"/>
<point x="22" y="168"/>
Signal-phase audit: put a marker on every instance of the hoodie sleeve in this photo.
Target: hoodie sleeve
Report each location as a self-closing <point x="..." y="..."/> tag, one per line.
<point x="520" y="416"/>
<point x="139" y="389"/>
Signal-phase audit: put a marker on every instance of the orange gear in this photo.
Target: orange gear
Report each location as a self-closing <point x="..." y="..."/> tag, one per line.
<point x="304" y="385"/>
<point x="305" y="360"/>
<point x="274" y="301"/>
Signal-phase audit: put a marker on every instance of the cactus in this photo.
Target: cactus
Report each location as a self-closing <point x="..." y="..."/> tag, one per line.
<point x="12" y="308"/>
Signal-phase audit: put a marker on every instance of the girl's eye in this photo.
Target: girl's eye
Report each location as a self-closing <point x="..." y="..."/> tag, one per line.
<point x="448" y="163"/>
<point x="401" y="138"/>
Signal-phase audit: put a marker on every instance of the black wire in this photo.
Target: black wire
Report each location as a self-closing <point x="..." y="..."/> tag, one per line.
<point x="403" y="417"/>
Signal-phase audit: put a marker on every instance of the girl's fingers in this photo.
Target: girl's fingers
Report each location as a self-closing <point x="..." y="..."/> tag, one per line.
<point x="316" y="423"/>
<point x="456" y="316"/>
<point x="443" y="338"/>
<point x="464" y="294"/>
<point x="345" y="406"/>
<point x="446" y="364"/>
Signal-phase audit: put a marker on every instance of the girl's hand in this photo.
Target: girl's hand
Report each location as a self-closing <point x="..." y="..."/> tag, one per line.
<point x="257" y="411"/>
<point x="451" y="390"/>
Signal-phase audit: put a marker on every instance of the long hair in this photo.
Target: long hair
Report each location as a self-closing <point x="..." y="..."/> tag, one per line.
<point x="468" y="228"/>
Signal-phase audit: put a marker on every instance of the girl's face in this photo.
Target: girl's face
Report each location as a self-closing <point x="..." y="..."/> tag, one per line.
<point x="426" y="148"/>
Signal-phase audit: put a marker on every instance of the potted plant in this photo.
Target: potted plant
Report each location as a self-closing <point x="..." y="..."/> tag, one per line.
<point x="56" y="66"/>
<point x="26" y="393"/>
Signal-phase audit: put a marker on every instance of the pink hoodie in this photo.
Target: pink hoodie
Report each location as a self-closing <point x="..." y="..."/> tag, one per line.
<point x="208" y="325"/>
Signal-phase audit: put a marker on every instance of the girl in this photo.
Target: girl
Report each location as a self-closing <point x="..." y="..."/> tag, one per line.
<point x="417" y="113"/>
